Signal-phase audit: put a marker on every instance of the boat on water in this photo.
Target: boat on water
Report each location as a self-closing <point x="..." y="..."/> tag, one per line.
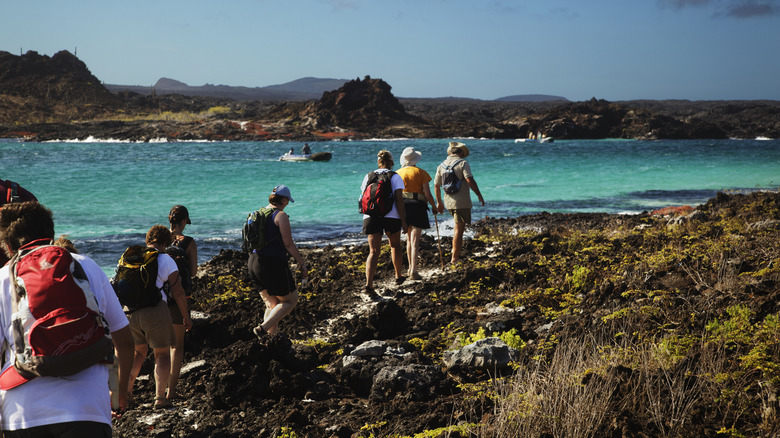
<point x="535" y="140"/>
<point x="317" y="156"/>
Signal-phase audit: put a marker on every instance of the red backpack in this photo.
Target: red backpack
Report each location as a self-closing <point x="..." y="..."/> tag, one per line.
<point x="13" y="192"/>
<point x="57" y="326"/>
<point x="377" y="199"/>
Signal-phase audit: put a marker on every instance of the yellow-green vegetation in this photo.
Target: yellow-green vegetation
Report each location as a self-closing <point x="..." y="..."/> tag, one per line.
<point x="232" y="289"/>
<point x="680" y="325"/>
<point x="466" y="429"/>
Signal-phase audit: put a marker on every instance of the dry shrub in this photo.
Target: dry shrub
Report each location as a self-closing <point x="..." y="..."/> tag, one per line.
<point x="565" y="397"/>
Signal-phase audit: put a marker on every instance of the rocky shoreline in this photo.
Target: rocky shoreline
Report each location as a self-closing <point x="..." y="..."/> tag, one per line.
<point x="57" y="98"/>
<point x="444" y="356"/>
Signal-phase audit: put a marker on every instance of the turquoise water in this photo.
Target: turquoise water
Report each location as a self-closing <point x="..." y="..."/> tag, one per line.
<point x="106" y="195"/>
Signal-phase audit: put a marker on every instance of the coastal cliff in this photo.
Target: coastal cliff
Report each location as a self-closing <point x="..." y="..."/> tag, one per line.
<point x="43" y="98"/>
<point x="659" y="324"/>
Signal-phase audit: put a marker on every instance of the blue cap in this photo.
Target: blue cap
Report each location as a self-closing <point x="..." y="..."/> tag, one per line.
<point x="282" y="190"/>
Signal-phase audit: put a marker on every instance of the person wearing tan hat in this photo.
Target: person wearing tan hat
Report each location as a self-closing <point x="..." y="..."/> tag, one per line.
<point x="417" y="195"/>
<point x="457" y="203"/>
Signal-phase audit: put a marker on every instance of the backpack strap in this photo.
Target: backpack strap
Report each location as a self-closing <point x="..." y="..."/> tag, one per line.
<point x="182" y="242"/>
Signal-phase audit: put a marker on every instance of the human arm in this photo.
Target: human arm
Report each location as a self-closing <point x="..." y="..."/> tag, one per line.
<point x="192" y="257"/>
<point x="177" y="292"/>
<point x="398" y="196"/>
<point x="124" y="350"/>
<point x="473" y="185"/>
<point x="429" y="197"/>
<point x="283" y="222"/>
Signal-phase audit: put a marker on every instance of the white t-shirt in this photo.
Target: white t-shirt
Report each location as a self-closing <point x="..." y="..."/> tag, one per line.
<point x="166" y="266"/>
<point x="83" y="396"/>
<point x="397" y="183"/>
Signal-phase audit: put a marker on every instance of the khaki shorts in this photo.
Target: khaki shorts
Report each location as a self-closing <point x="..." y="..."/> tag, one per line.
<point x="462" y="215"/>
<point x="152" y="325"/>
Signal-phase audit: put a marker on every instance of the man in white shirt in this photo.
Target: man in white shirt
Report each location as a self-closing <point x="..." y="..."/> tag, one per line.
<point x="75" y="405"/>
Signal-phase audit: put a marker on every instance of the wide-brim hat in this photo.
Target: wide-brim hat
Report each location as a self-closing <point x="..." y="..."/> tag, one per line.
<point x="410" y="157"/>
<point x="456" y="145"/>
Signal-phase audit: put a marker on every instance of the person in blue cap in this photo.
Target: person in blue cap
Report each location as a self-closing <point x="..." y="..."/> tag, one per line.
<point x="268" y="267"/>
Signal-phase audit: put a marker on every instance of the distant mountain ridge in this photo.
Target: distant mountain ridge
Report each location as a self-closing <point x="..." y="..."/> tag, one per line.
<point x="308" y="88"/>
<point x="532" y="98"/>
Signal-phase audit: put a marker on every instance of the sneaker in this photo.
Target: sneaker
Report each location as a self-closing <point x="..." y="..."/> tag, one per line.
<point x="260" y="333"/>
<point x="400" y="280"/>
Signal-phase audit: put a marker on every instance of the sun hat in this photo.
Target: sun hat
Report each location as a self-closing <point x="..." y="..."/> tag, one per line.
<point x="454" y="145"/>
<point x="179" y="212"/>
<point x="282" y="190"/>
<point x="410" y="157"/>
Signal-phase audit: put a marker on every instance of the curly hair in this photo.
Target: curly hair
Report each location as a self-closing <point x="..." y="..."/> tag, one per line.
<point x="385" y="158"/>
<point x="24" y="222"/>
<point x="159" y="235"/>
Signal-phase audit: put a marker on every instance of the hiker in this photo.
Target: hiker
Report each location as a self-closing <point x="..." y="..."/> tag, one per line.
<point x="12" y="192"/>
<point x="268" y="267"/>
<point x="457" y="199"/>
<point x="184" y="251"/>
<point x="73" y="405"/>
<point x="151" y="326"/>
<point x="417" y="196"/>
<point x="391" y="223"/>
<point x="306" y="149"/>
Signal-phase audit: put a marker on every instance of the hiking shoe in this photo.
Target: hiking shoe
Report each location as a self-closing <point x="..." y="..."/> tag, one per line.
<point x="260" y="333"/>
<point x="400" y="280"/>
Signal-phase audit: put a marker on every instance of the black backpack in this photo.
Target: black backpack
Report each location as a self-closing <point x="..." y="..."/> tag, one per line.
<point x="450" y="181"/>
<point x="253" y="232"/>
<point x="178" y="252"/>
<point x="377" y="199"/>
<point x="136" y="277"/>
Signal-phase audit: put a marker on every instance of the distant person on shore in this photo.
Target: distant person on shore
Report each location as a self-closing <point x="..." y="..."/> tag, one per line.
<point x="184" y="248"/>
<point x="306" y="149"/>
<point x="391" y="223"/>
<point x="78" y="405"/>
<point x="268" y="267"/>
<point x="457" y="196"/>
<point x="151" y="326"/>
<point x="417" y="196"/>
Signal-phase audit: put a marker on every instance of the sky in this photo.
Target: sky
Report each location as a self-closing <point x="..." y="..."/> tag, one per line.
<point x="483" y="49"/>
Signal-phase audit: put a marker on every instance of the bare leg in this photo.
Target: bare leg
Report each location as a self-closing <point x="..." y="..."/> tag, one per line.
<point x="457" y="241"/>
<point x="177" y="359"/>
<point x="162" y="371"/>
<point x="412" y="248"/>
<point x="396" y="253"/>
<point x="277" y="307"/>
<point x="138" y="360"/>
<point x="374" y="248"/>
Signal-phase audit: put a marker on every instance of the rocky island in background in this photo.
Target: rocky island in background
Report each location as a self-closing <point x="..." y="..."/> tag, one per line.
<point x="49" y="98"/>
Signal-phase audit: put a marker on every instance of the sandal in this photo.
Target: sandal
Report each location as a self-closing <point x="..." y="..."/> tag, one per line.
<point x="400" y="280"/>
<point x="162" y="403"/>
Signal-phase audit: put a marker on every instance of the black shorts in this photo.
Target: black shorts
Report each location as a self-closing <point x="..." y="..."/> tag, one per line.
<point x="416" y="213"/>
<point x="271" y="274"/>
<point x="375" y="225"/>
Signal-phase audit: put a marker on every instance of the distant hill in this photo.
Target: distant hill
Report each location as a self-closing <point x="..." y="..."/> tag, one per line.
<point x="297" y="90"/>
<point x="531" y="98"/>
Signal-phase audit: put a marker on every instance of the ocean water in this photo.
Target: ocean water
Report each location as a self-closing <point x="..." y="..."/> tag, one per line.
<point x="106" y="195"/>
